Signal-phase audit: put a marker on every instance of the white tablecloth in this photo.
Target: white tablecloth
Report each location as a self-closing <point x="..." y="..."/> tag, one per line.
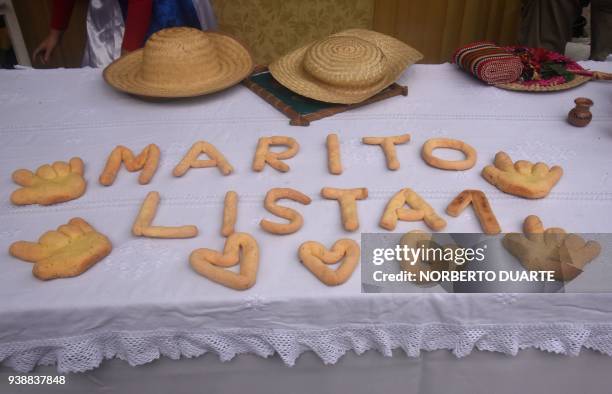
<point x="144" y="300"/>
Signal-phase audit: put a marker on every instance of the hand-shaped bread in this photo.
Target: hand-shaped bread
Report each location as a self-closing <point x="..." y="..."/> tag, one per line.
<point x="522" y="178"/>
<point x="51" y="184"/>
<point x="551" y="249"/>
<point x="68" y="251"/>
<point x="417" y="239"/>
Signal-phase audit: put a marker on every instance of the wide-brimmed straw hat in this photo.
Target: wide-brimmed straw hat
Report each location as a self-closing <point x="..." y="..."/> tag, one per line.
<point x="346" y="67"/>
<point x="181" y="62"/>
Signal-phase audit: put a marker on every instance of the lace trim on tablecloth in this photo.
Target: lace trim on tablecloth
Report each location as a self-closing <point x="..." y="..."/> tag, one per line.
<point x="86" y="352"/>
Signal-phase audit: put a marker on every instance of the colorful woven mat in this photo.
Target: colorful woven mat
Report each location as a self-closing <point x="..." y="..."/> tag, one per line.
<point x="488" y="62"/>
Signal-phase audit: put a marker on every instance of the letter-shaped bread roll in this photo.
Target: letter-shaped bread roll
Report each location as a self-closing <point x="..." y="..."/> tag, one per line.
<point x="143" y="224"/>
<point x="230" y="213"/>
<point x="191" y="159"/>
<point x="418" y="209"/>
<point x="295" y="219"/>
<point x="388" y="146"/>
<point x="146" y="162"/>
<point x="482" y="208"/>
<point x="334" y="163"/>
<point x="457" y="165"/>
<point x="348" y="206"/>
<point x="264" y="156"/>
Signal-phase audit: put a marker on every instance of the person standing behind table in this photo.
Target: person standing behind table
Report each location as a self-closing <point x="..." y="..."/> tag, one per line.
<point x="191" y="13"/>
<point x="548" y="24"/>
<point x="106" y="40"/>
<point x="601" y="29"/>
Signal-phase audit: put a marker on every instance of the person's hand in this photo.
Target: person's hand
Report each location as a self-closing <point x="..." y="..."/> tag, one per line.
<point x="551" y="249"/>
<point x="47" y="46"/>
<point x="68" y="251"/>
<point x="50" y="184"/>
<point x="522" y="178"/>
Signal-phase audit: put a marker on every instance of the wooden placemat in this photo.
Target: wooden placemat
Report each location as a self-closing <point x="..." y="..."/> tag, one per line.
<point x="303" y="110"/>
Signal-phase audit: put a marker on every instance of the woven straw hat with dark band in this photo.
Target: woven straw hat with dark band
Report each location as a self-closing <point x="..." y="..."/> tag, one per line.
<point x="181" y="62"/>
<point x="346" y="67"/>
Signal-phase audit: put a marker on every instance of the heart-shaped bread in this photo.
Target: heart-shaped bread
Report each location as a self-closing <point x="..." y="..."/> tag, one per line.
<point x="315" y="257"/>
<point x="239" y="248"/>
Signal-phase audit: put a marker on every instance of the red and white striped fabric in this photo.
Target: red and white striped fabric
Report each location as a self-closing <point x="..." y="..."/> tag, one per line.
<point x="488" y="62"/>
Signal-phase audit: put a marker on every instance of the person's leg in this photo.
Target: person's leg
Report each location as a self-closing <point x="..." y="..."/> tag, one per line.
<point x="547" y="23"/>
<point x="601" y="29"/>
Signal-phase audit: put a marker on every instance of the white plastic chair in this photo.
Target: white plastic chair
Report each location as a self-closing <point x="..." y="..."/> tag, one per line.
<point x="21" y="51"/>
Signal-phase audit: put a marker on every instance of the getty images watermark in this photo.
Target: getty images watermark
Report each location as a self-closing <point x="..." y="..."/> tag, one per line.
<point x="422" y="262"/>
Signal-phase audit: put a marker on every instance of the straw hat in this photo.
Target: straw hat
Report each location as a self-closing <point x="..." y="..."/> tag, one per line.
<point x="346" y="67"/>
<point x="181" y="62"/>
